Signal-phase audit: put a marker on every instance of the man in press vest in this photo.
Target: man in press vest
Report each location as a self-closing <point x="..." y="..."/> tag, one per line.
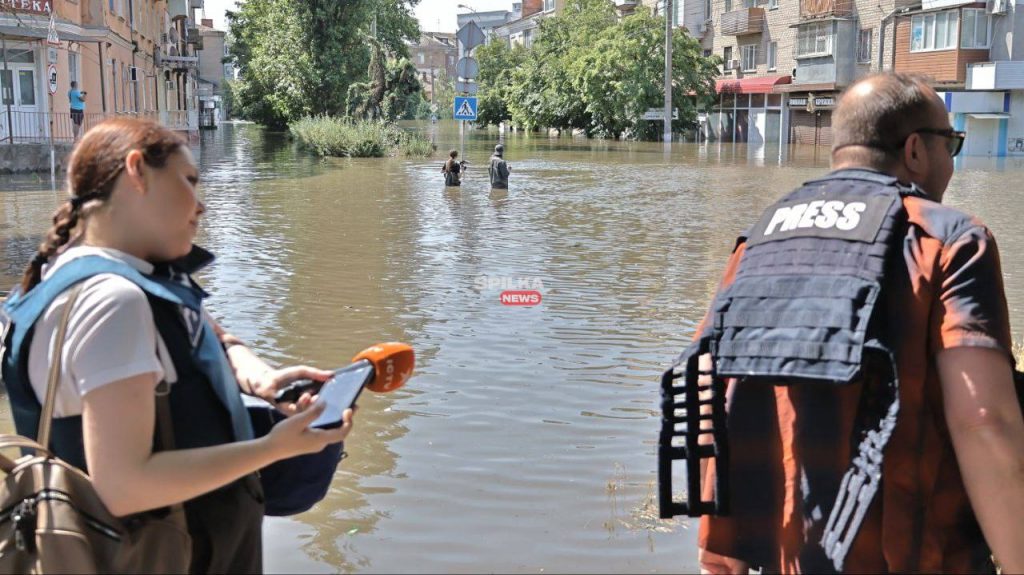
<point x="901" y="450"/>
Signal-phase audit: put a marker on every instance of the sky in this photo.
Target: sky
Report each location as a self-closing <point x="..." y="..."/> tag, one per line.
<point x="434" y="15"/>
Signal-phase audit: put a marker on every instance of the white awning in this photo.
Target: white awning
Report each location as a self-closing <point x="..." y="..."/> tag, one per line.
<point x="993" y="116"/>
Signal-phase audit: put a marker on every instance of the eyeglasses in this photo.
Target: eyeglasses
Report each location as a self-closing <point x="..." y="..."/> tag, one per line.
<point x="954" y="138"/>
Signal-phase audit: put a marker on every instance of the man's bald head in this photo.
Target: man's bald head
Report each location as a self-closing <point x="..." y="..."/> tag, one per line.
<point x="876" y="114"/>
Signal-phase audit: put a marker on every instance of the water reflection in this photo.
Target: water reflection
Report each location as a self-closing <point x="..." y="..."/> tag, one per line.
<point x="526" y="440"/>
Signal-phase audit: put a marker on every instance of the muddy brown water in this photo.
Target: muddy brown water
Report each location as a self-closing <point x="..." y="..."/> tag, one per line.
<point x="525" y="442"/>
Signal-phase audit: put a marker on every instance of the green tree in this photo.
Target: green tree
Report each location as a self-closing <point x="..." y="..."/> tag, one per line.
<point x="444" y="96"/>
<point x="588" y="70"/>
<point x="299" y="57"/>
<point x="497" y="62"/>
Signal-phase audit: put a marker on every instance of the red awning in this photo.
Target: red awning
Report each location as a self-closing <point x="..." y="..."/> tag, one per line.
<point x="758" y="85"/>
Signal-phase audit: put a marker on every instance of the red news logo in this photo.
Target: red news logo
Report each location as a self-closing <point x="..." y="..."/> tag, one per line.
<point x="520" y="297"/>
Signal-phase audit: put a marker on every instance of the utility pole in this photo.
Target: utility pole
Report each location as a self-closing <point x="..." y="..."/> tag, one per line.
<point x="668" y="70"/>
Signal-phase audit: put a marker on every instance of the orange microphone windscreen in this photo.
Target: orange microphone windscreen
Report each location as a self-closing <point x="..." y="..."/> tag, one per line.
<point x="393" y="363"/>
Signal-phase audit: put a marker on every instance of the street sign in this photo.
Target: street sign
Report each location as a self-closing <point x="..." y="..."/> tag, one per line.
<point x="51" y="73"/>
<point x="465" y="108"/>
<point x="467" y="68"/>
<point x="51" y="35"/>
<point x="659" y="114"/>
<point x="470" y="36"/>
<point x="433" y="108"/>
<point x="702" y="117"/>
<point x="51" y="55"/>
<point x="467" y="87"/>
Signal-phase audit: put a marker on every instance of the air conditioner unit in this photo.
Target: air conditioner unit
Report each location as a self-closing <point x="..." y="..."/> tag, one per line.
<point x="995" y="7"/>
<point x="195" y="4"/>
<point x="733" y="65"/>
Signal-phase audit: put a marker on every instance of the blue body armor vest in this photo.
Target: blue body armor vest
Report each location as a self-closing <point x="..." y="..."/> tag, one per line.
<point x="803" y="309"/>
<point x="205" y="404"/>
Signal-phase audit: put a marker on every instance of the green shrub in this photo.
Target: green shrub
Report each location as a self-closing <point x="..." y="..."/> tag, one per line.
<point x="345" y="138"/>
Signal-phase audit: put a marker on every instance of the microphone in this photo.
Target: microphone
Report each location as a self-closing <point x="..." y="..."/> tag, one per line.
<point x="388" y="366"/>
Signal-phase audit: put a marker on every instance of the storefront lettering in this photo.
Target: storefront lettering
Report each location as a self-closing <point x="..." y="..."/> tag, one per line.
<point x="30" y="6"/>
<point x="824" y="101"/>
<point x="797" y="102"/>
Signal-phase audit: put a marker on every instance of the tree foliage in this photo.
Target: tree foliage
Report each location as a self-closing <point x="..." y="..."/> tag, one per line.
<point x="590" y="70"/>
<point x="299" y="57"/>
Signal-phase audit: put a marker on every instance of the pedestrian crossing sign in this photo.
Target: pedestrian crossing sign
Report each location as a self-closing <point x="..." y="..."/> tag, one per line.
<point x="465" y="108"/>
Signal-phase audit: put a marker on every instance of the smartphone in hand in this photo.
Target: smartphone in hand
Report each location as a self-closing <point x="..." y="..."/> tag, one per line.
<point x="341" y="391"/>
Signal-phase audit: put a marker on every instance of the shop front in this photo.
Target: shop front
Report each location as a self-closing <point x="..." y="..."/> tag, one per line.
<point x="748" y="111"/>
<point x="810" y="116"/>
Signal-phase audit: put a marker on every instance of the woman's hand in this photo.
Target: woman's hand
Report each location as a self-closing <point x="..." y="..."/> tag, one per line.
<point x="293" y="436"/>
<point x="274" y="380"/>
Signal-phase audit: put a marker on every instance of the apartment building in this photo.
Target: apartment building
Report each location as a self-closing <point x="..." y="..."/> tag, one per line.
<point x="132" y="57"/>
<point x="787" y="61"/>
<point x="214" y="73"/>
<point x="523" y="26"/>
<point x="434" y="56"/>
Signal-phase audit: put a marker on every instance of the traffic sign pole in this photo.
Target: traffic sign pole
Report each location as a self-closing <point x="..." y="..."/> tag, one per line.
<point x="469" y="36"/>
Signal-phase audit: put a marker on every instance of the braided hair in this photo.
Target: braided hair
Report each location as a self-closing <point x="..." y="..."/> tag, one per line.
<point x="95" y="165"/>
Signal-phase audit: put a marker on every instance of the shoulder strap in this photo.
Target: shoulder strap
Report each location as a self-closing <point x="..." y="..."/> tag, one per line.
<point x="164" y="425"/>
<point x="53" y="381"/>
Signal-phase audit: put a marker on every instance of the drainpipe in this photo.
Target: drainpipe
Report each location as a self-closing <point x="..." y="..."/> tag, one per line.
<point x="103" y="80"/>
<point x="10" y="119"/>
<point x="135" y="48"/>
<point x="881" y="37"/>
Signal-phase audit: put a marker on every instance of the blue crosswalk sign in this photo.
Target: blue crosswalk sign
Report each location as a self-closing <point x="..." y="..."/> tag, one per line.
<point x="465" y="108"/>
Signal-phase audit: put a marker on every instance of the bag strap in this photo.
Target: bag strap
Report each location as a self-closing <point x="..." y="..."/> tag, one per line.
<point x="53" y="381"/>
<point x="164" y="425"/>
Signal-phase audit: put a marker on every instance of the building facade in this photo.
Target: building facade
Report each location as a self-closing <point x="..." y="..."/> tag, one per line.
<point x="214" y="72"/>
<point x="131" y="57"/>
<point x="785" y="62"/>
<point x="434" y="56"/>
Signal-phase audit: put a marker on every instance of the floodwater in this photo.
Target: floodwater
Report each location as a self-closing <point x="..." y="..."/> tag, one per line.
<point x="526" y="440"/>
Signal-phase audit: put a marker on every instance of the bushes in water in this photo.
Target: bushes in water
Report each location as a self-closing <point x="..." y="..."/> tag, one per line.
<point x="346" y="138"/>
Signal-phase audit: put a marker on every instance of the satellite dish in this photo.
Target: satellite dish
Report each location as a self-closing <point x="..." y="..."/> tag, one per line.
<point x="172" y="35"/>
<point x="172" y="51"/>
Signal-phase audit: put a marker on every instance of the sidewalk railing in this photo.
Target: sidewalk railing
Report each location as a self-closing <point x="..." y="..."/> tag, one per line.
<point x="20" y="127"/>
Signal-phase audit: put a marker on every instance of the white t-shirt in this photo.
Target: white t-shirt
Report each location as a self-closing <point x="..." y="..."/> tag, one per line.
<point x="111" y="335"/>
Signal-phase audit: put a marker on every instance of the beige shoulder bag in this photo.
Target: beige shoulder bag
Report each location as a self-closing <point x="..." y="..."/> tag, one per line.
<point x="53" y="521"/>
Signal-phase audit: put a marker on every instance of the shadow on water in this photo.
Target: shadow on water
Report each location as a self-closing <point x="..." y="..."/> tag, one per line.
<point x="526" y="440"/>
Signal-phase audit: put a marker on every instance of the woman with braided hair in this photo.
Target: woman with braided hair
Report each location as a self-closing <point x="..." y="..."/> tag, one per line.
<point x="120" y="250"/>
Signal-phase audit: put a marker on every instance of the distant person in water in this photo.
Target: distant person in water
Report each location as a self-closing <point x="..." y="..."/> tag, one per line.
<point x="499" y="169"/>
<point x="452" y="170"/>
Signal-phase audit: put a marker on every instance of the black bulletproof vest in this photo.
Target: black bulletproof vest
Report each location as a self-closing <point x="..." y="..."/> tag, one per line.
<point x="804" y="308"/>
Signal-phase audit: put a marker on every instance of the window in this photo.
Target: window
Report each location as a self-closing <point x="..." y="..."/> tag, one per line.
<point x="976" y="28"/>
<point x="727" y="56"/>
<point x="935" y="31"/>
<point x="549" y="5"/>
<point x="773" y="4"/>
<point x="864" y="45"/>
<point x="707" y="9"/>
<point x="423" y="58"/>
<point x="773" y="52"/>
<point x="728" y="5"/>
<point x="73" y="67"/>
<point x="707" y="52"/>
<point x="814" y="40"/>
<point x="749" y="54"/>
<point x="111" y="6"/>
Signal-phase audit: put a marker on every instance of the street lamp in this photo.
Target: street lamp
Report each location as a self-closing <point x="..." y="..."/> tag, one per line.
<point x="467" y="8"/>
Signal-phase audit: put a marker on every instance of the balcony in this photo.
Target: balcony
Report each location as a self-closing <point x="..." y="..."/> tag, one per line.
<point x="743" y="22"/>
<point x="821" y="9"/>
<point x="1001" y="75"/>
<point x="177" y="9"/>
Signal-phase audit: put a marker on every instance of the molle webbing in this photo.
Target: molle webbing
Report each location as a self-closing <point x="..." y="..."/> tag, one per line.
<point x="802" y="309"/>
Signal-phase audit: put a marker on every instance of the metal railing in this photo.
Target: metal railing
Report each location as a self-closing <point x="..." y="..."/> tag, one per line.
<point x="813" y="9"/>
<point x="20" y="127"/>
